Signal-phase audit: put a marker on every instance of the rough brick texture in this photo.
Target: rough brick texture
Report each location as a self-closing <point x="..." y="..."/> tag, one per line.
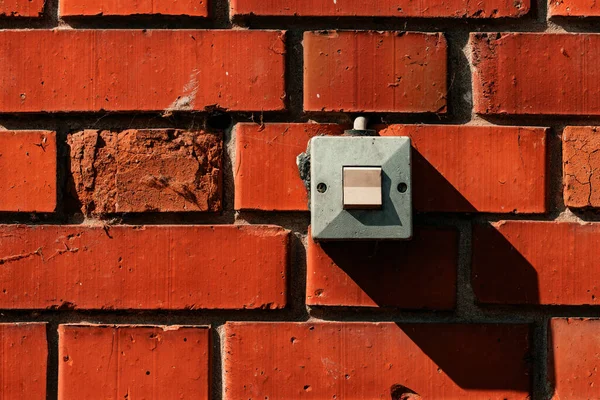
<point x="368" y="360"/>
<point x="133" y="362"/>
<point x="76" y="8"/>
<point x="28" y="171"/>
<point x="337" y="274"/>
<point x="145" y="145"/>
<point x="23" y="361"/>
<point x="266" y="174"/>
<point x="22" y="8"/>
<point x="477" y="169"/>
<point x="152" y="267"/>
<point x="573" y="358"/>
<point x="375" y="71"/>
<point x="573" y="8"/>
<point x="581" y="161"/>
<point x="536" y="73"/>
<point x="382" y="8"/>
<point x="526" y="262"/>
<point x="134" y="70"/>
<point x="146" y="170"/>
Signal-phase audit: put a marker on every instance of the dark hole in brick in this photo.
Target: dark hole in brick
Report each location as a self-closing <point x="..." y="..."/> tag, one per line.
<point x="399" y="392"/>
<point x="219" y="121"/>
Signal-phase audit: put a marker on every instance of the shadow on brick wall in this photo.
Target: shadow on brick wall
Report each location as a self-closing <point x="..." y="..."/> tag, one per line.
<point x="432" y="192"/>
<point x="422" y="274"/>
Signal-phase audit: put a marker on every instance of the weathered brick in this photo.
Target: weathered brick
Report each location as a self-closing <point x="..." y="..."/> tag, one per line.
<point x="526" y="262"/>
<point x="375" y="360"/>
<point x="499" y="169"/>
<point x="385" y="274"/>
<point x="146" y="170"/>
<point x="536" y="73"/>
<point x="133" y="362"/>
<point x="22" y="8"/>
<point x="573" y="8"/>
<point x="24" y="361"/>
<point x="134" y="70"/>
<point x="382" y="8"/>
<point x="79" y="8"/>
<point x="581" y="161"/>
<point x="151" y="267"/>
<point x="266" y="174"/>
<point x="375" y="71"/>
<point x="27" y="171"/>
<point x="574" y="358"/>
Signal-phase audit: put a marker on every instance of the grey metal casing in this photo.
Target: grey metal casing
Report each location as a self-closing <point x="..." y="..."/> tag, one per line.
<point x="329" y="219"/>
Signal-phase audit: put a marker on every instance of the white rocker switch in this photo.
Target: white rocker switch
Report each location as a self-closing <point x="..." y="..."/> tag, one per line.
<point x="362" y="188"/>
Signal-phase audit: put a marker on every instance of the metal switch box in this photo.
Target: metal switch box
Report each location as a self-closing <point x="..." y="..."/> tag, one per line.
<point x="361" y="188"/>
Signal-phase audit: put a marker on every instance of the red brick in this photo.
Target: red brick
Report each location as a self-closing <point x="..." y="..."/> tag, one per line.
<point x="573" y="8"/>
<point x="455" y="168"/>
<point x="477" y="168"/>
<point x="385" y="274"/>
<point x="146" y="170"/>
<point x="151" y="267"/>
<point x="27" y="171"/>
<point x="536" y="73"/>
<point x="581" y="161"/>
<point x="135" y="70"/>
<point x="77" y="8"/>
<point x="375" y="71"/>
<point x="22" y="8"/>
<point x="375" y="361"/>
<point x="382" y="8"/>
<point x="266" y="174"/>
<point x="574" y="358"/>
<point x="24" y="361"/>
<point x="133" y="362"/>
<point x="518" y="262"/>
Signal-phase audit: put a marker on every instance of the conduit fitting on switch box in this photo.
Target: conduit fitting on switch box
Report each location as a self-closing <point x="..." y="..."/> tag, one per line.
<point x="359" y="185"/>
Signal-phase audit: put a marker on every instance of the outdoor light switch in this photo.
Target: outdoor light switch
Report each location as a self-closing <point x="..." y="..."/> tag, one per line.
<point x="360" y="188"/>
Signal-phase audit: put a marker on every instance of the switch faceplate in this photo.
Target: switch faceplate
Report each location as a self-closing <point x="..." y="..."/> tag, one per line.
<point x="344" y="201"/>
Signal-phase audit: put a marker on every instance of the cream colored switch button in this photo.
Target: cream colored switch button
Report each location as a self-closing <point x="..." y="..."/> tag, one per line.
<point x="362" y="187"/>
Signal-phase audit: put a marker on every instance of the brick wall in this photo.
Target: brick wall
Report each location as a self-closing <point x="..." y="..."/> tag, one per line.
<point x="154" y="232"/>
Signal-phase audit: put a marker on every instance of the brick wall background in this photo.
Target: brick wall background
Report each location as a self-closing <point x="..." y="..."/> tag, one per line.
<point x="154" y="231"/>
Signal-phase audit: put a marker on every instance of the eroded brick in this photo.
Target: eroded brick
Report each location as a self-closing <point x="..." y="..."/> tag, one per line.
<point x="146" y="170"/>
<point x="581" y="161"/>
